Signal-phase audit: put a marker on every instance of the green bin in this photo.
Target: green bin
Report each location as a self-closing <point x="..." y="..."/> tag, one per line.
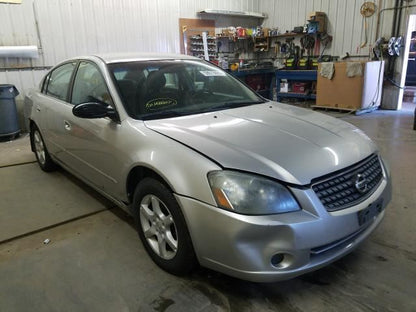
<point x="9" y="125"/>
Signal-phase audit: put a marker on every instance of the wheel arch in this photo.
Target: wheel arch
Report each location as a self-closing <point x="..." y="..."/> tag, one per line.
<point x="137" y="174"/>
<point x="32" y="125"/>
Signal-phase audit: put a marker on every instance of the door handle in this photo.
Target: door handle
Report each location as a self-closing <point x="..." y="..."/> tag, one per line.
<point x="67" y="125"/>
<point x="37" y="108"/>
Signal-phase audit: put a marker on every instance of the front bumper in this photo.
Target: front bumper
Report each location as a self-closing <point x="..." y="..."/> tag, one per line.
<point x="247" y="247"/>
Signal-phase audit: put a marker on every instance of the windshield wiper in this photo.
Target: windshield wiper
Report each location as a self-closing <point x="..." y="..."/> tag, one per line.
<point x="161" y="114"/>
<point x="228" y="105"/>
<point x="237" y="104"/>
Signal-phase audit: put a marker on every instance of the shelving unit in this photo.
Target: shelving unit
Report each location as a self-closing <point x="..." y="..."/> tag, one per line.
<point x="260" y="80"/>
<point x="295" y="76"/>
<point x="261" y="44"/>
<point x="289" y="34"/>
<point x="196" y="46"/>
<point x="191" y="32"/>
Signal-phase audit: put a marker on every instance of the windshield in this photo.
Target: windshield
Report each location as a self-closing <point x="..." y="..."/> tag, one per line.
<point x="168" y="88"/>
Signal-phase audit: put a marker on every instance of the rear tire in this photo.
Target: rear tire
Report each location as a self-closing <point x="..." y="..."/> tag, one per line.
<point x="42" y="155"/>
<point x="162" y="227"/>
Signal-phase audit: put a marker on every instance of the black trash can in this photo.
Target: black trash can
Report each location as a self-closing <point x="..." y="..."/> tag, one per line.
<point x="9" y="125"/>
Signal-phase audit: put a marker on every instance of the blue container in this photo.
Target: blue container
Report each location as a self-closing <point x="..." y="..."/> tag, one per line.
<point x="9" y="125"/>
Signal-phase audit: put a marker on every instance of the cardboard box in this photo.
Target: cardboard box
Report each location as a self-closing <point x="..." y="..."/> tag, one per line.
<point x="351" y="93"/>
<point x="314" y="16"/>
<point x="227" y="33"/>
<point x="320" y="18"/>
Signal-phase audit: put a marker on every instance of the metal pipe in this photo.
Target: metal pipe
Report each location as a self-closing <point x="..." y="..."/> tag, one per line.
<point x="354" y="56"/>
<point x="400" y="20"/>
<point x="395" y="26"/>
<point x="389" y="9"/>
<point x="393" y="30"/>
<point x="3" y="69"/>
<point x="396" y="34"/>
<point x="35" y="15"/>
<point x="378" y="18"/>
<point x="19" y="51"/>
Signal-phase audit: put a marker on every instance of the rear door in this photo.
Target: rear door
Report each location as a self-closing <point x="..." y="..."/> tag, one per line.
<point x="51" y="105"/>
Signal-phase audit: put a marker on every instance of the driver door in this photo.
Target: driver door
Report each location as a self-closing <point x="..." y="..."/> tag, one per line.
<point x="91" y="143"/>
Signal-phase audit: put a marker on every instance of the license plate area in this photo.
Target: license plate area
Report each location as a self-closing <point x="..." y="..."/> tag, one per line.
<point x="368" y="214"/>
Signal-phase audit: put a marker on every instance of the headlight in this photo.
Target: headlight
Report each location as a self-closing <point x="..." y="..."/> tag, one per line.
<point x="250" y="194"/>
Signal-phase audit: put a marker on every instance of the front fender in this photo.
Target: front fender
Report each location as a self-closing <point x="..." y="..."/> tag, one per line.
<point x="182" y="168"/>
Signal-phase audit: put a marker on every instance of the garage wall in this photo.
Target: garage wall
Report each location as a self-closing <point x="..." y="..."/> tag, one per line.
<point x="74" y="27"/>
<point x="345" y="22"/>
<point x="347" y="27"/>
<point x="67" y="28"/>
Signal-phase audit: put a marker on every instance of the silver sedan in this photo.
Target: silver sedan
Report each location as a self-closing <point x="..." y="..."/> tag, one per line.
<point x="213" y="173"/>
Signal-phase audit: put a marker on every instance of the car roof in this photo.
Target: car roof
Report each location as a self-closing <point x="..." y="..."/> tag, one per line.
<point x="130" y="57"/>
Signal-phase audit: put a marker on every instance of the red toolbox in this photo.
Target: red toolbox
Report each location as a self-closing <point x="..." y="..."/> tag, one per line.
<point x="300" y="87"/>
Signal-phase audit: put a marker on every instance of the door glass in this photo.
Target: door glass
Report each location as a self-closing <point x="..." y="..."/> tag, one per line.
<point x="89" y="85"/>
<point x="59" y="81"/>
<point x="44" y="83"/>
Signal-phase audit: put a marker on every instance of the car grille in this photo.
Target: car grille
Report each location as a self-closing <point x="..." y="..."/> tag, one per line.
<point x="351" y="186"/>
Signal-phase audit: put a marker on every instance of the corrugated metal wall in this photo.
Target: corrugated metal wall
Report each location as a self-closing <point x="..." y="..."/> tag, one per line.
<point x="345" y="22"/>
<point x="74" y="27"/>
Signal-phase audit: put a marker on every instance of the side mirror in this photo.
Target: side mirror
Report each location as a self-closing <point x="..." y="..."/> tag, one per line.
<point x="94" y="110"/>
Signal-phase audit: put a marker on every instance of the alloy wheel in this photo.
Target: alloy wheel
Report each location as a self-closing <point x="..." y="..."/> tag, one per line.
<point x="39" y="147"/>
<point x="158" y="227"/>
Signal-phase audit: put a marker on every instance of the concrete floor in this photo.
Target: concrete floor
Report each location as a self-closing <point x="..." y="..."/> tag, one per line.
<point x="95" y="261"/>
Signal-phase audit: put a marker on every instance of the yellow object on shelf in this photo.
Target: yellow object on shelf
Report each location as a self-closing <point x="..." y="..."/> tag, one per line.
<point x="234" y="66"/>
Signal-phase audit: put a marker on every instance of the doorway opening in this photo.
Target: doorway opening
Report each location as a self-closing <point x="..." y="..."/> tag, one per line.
<point x="408" y="76"/>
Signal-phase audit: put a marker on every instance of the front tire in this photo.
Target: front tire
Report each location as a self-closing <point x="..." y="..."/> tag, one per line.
<point x="42" y="155"/>
<point x="162" y="227"/>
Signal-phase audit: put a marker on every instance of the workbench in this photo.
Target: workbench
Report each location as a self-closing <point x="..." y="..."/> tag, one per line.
<point x="260" y="80"/>
<point x="295" y="76"/>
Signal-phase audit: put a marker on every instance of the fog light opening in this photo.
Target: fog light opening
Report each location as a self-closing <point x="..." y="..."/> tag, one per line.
<point x="277" y="259"/>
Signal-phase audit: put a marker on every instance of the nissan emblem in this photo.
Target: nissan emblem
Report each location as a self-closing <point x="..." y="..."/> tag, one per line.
<point x="361" y="183"/>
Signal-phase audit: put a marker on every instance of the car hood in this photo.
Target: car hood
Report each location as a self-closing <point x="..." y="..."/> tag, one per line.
<point x="288" y="143"/>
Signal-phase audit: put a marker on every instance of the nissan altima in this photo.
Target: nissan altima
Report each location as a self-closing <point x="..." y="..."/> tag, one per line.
<point x="213" y="174"/>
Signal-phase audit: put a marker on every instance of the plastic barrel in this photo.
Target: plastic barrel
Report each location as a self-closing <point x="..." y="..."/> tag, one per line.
<point x="9" y="125"/>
